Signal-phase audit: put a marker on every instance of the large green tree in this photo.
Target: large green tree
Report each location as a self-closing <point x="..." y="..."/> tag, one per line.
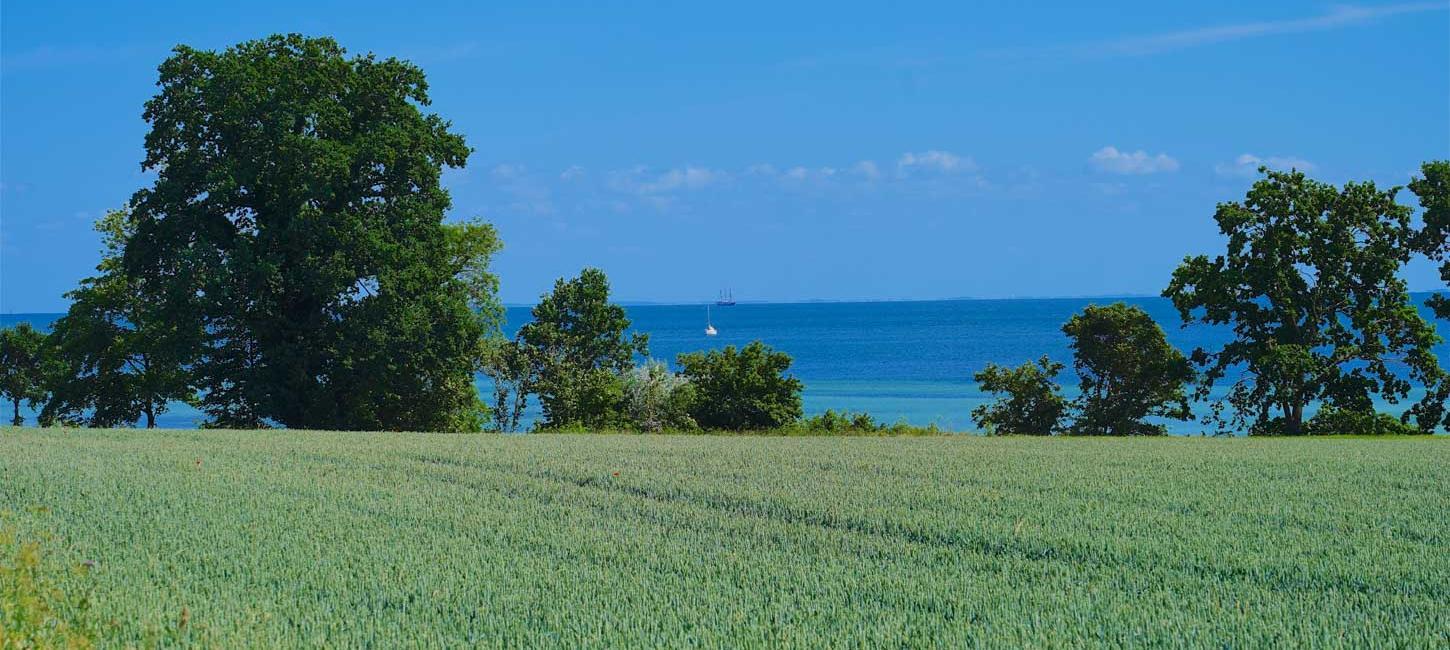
<point x="1310" y="287"/>
<point x="581" y="348"/>
<point x="297" y="219"/>
<point x="118" y="358"/>
<point x="23" y="365"/>
<point x="1128" y="372"/>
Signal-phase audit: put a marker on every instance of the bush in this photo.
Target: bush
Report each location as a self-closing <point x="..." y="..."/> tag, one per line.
<point x="851" y="424"/>
<point x="1031" y="402"/>
<point x="656" y="399"/>
<point x="1335" y="421"/>
<point x="745" y="389"/>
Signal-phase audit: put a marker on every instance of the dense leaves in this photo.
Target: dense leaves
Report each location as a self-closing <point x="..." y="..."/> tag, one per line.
<point x="1310" y="286"/>
<point x="22" y="368"/>
<point x="297" y="219"/>
<point x="656" y="399"/>
<point x="1128" y="372"/>
<point x="1433" y="190"/>
<point x="580" y="346"/>
<point x="1029" y="400"/>
<point x="118" y="358"/>
<point x="742" y="389"/>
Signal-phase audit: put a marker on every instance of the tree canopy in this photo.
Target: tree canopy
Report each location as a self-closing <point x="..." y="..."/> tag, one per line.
<point x="297" y="221"/>
<point x="742" y="389"/>
<point x="1030" y="401"/>
<point x="581" y="347"/>
<point x="1309" y="285"/>
<point x="1432" y="188"/>
<point x="1128" y="372"/>
<point x="23" y="364"/>
<point x="118" y="358"/>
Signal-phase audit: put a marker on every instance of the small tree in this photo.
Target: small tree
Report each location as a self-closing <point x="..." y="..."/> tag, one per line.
<point x="1030" y="401"/>
<point x="23" y="361"/>
<point x="512" y="372"/>
<point x="657" y="399"/>
<point x="580" y="346"/>
<point x="1310" y="286"/>
<point x="745" y="389"/>
<point x="1128" y="371"/>
<point x="119" y="360"/>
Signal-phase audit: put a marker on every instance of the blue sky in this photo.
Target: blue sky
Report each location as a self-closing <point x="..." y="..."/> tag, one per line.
<point x="788" y="150"/>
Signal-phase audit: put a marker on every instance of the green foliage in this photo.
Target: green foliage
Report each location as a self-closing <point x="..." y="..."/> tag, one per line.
<point x="1030" y="401"/>
<point x="278" y="539"/>
<point x="1432" y="188"/>
<point x="745" y="389"/>
<point x="297" y="221"/>
<point x="1128" y="372"/>
<point x="1310" y="285"/>
<point x="580" y="346"/>
<point x="1332" y="421"/>
<point x="23" y="367"/>
<point x="846" y="423"/>
<point x="657" y="399"/>
<point x="1433" y="241"/>
<point x="118" y="359"/>
<point x="511" y="371"/>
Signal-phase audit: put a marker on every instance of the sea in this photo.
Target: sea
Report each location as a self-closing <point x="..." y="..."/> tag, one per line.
<point x="908" y="361"/>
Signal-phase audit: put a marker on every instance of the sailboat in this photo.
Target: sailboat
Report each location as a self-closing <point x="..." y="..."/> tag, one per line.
<point x="709" y="329"/>
<point x="727" y="298"/>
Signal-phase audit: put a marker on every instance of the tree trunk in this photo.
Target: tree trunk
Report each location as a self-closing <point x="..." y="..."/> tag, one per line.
<point x="1294" y="419"/>
<point x="17" y="420"/>
<point x="150" y="416"/>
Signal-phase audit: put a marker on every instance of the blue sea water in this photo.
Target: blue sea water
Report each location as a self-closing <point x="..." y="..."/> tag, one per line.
<point x="909" y="361"/>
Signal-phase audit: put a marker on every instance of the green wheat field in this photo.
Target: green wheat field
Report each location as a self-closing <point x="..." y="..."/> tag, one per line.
<point x="270" y="538"/>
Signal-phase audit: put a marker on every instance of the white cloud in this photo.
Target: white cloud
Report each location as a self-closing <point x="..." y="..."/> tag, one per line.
<point x="867" y="169"/>
<point x="799" y="173"/>
<point x="933" y="160"/>
<point x="639" y="180"/>
<point x="1248" y="165"/>
<point x="1110" y="160"/>
<point x="573" y="172"/>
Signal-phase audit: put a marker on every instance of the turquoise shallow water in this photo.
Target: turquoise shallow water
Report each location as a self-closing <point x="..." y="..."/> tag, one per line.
<point x="896" y="360"/>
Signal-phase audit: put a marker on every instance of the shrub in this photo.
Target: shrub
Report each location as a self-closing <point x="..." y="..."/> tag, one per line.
<point x="848" y="423"/>
<point x="1336" y="421"/>
<point x="742" y="389"/>
<point x="1031" y="402"/>
<point x="1128" y="371"/>
<point x="656" y="399"/>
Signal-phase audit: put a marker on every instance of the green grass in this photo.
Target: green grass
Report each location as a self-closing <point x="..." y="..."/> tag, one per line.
<point x="288" y="538"/>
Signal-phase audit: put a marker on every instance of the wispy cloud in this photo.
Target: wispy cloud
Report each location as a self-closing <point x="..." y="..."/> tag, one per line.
<point x="641" y="180"/>
<point x="1338" y="17"/>
<point x="1111" y="160"/>
<point x="1248" y="164"/>
<point x="933" y="160"/>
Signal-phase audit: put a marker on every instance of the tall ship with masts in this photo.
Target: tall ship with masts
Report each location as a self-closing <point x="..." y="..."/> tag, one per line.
<point x="726" y="299"/>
